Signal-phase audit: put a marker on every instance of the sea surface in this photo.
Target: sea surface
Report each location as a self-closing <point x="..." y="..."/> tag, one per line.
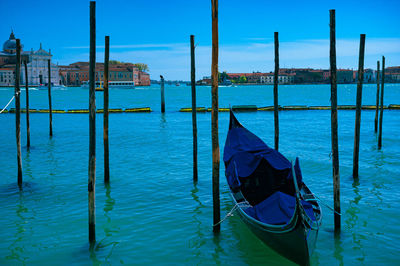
<point x="153" y="213"/>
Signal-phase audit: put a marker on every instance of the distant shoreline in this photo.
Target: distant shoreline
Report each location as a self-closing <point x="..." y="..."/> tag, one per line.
<point x="264" y="84"/>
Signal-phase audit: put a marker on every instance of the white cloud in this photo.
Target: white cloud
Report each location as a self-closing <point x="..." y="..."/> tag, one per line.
<point x="173" y="60"/>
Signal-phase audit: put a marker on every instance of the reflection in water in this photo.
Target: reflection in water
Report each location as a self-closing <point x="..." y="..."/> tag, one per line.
<point x="102" y="251"/>
<point x="163" y="120"/>
<point x="93" y="248"/>
<point x="352" y="215"/>
<point x="108" y="207"/>
<point x="217" y="248"/>
<point x="198" y="241"/>
<point x="27" y="169"/>
<point x="338" y="249"/>
<point x="16" y="247"/>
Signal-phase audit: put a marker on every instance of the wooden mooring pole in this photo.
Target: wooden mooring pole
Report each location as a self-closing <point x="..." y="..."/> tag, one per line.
<point x="49" y="93"/>
<point x="105" y="112"/>
<point x="162" y="95"/>
<point x="214" y="117"/>
<point x="194" y="115"/>
<point x="276" y="79"/>
<point x="334" y="123"/>
<point x="28" y="131"/>
<point x="356" y="151"/>
<point x="377" y="97"/>
<point x="381" y="113"/>
<point x="92" y="125"/>
<point x="18" y="111"/>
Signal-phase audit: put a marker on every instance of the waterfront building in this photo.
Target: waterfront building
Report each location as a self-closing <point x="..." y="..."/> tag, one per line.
<point x="7" y="76"/>
<point x="78" y="73"/>
<point x="268" y="78"/>
<point x="368" y="77"/>
<point x="37" y="64"/>
<point x="344" y="76"/>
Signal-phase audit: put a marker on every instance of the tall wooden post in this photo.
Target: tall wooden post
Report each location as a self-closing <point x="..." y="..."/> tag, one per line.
<point x="377" y="97"/>
<point x="356" y="151"/>
<point x="49" y="93"/>
<point x="276" y="77"/>
<point x="105" y="111"/>
<point x="214" y="117"/>
<point x="28" y="131"/>
<point x="334" y="123"/>
<point x="162" y="95"/>
<point x="194" y="118"/>
<point x="381" y="113"/>
<point x="92" y="125"/>
<point x="18" y="111"/>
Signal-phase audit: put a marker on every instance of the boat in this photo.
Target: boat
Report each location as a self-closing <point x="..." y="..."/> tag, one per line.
<point x="100" y="87"/>
<point x="112" y="84"/>
<point x="270" y="195"/>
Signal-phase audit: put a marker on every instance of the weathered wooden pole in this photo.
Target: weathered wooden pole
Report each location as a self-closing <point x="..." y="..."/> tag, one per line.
<point x="28" y="131"/>
<point x="92" y="125"/>
<point x="162" y="95"/>
<point x="105" y="111"/>
<point x="381" y="113"/>
<point x="377" y="97"/>
<point x="194" y="115"/>
<point x="50" y="109"/>
<point x="356" y="151"/>
<point x="214" y="117"/>
<point x="334" y="123"/>
<point x="276" y="77"/>
<point x="18" y="111"/>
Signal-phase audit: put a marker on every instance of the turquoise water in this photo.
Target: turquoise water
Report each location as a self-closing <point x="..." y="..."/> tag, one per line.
<point x="152" y="213"/>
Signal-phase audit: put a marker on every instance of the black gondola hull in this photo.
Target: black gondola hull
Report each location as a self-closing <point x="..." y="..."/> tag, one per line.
<point x="295" y="242"/>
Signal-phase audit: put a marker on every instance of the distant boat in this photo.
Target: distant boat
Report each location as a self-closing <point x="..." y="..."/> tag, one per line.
<point x="100" y="87"/>
<point x="177" y="84"/>
<point x="112" y="84"/>
<point x="44" y="86"/>
<point x="270" y="195"/>
<point x="226" y="82"/>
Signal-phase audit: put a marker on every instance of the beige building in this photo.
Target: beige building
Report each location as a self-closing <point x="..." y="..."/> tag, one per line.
<point x="282" y="79"/>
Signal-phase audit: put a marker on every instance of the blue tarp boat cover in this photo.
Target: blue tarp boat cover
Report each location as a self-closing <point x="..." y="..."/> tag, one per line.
<point x="278" y="209"/>
<point x="263" y="175"/>
<point x="244" y="151"/>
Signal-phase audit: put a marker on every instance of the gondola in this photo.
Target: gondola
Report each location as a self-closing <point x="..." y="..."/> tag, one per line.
<point x="270" y="195"/>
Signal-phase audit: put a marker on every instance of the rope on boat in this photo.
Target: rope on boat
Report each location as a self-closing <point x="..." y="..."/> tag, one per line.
<point x="7" y="104"/>
<point x="230" y="213"/>
<point x="323" y="203"/>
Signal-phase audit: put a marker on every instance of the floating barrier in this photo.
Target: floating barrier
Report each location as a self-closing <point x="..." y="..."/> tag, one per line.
<point x="268" y="108"/>
<point x="319" y="108"/>
<point x="295" y="107"/>
<point x="346" y="107"/>
<point x="138" y="110"/>
<point x="219" y="109"/>
<point x="78" y="111"/>
<point x="236" y="108"/>
<point x="189" y="110"/>
<point x="244" y="108"/>
<point x="368" y="107"/>
<point x="393" y="106"/>
<point x="118" y="110"/>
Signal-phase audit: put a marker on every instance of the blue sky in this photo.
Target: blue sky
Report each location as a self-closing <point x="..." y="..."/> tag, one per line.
<point x="157" y="32"/>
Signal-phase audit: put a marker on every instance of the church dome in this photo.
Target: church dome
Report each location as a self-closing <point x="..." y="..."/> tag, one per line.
<point x="10" y="44"/>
